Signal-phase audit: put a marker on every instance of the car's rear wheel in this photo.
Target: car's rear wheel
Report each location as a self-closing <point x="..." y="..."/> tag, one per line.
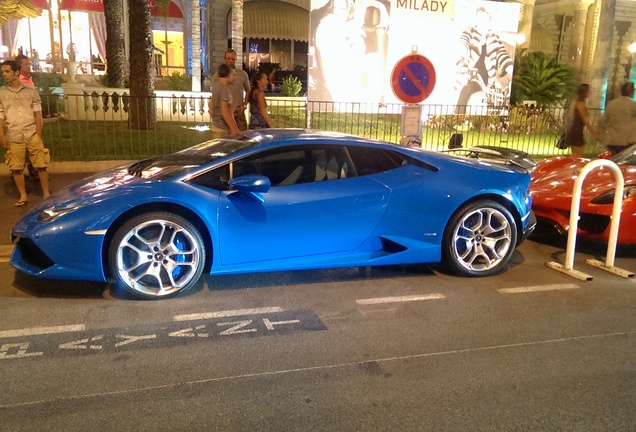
<point x="157" y="255"/>
<point x="480" y="239"/>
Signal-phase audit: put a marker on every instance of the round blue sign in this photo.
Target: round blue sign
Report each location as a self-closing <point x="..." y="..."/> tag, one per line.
<point x="413" y="78"/>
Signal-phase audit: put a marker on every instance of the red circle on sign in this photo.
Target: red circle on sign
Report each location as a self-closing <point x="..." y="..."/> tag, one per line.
<point x="413" y="78"/>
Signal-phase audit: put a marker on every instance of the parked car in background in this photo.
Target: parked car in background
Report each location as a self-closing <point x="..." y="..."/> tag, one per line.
<point x="497" y="154"/>
<point x="276" y="199"/>
<point x="552" y="183"/>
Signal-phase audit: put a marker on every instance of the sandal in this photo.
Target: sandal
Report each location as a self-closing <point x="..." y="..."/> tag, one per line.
<point x="20" y="203"/>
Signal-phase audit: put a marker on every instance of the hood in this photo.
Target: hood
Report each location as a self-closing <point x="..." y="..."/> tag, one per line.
<point x="560" y="182"/>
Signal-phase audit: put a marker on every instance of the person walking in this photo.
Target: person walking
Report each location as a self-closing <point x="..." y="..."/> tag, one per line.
<point x="578" y="121"/>
<point x="21" y="114"/>
<point x="259" y="118"/>
<point x="223" y="123"/>
<point x="620" y="120"/>
<point x="240" y="90"/>
<point x="25" y="70"/>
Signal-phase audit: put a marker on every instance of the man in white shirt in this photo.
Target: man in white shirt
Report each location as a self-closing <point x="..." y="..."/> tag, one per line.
<point x="620" y="120"/>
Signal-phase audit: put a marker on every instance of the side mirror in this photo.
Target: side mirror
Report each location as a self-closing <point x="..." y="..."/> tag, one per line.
<point x="252" y="184"/>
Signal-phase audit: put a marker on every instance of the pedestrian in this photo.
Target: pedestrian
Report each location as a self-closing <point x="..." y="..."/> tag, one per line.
<point x="21" y="115"/>
<point x="240" y="89"/>
<point x="25" y="70"/>
<point x="620" y="120"/>
<point x="27" y="79"/>
<point x="578" y="121"/>
<point x="259" y="118"/>
<point x="223" y="123"/>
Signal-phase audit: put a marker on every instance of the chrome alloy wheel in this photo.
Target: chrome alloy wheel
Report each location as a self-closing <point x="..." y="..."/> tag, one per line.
<point x="158" y="257"/>
<point x="482" y="239"/>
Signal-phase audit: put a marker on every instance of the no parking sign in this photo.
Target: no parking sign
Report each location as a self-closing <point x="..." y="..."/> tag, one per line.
<point x="413" y="78"/>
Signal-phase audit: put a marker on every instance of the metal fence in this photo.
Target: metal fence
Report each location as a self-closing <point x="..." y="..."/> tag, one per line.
<point x="94" y="124"/>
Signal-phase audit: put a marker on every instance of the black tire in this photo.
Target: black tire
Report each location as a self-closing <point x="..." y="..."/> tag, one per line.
<point x="479" y="239"/>
<point x="157" y="255"/>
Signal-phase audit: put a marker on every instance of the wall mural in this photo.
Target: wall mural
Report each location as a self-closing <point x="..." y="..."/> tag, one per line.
<point x="356" y="44"/>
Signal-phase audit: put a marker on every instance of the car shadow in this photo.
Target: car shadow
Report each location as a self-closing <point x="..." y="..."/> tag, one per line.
<point x="58" y="288"/>
<point x="286" y="278"/>
<point x="549" y="236"/>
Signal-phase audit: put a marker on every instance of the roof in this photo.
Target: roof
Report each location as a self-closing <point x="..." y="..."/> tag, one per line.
<point x="276" y="20"/>
<point x="17" y="9"/>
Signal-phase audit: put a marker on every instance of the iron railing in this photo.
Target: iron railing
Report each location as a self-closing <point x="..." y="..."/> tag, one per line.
<point x="94" y="124"/>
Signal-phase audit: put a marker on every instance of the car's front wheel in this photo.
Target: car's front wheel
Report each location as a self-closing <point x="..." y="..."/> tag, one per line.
<point x="480" y="239"/>
<point x="157" y="255"/>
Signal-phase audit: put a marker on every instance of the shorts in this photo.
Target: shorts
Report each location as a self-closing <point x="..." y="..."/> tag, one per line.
<point x="240" y="119"/>
<point x="16" y="155"/>
<point x="218" y="132"/>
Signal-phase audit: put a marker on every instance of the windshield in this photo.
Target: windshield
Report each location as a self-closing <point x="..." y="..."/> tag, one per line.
<point x="626" y="157"/>
<point x="172" y="164"/>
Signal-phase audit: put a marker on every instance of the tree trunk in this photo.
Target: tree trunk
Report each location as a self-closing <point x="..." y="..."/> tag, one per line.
<point x="143" y="113"/>
<point x="599" y="72"/>
<point x="115" y="57"/>
<point x="237" y="31"/>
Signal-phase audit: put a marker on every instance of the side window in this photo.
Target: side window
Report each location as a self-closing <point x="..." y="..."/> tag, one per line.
<point x="215" y="179"/>
<point x="283" y="167"/>
<point x="298" y="165"/>
<point x="369" y="160"/>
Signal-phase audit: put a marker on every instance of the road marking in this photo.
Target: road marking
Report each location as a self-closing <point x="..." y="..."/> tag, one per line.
<point x="324" y="367"/>
<point x="399" y="299"/>
<point x="34" y="331"/>
<point x="537" y="288"/>
<point x="224" y="314"/>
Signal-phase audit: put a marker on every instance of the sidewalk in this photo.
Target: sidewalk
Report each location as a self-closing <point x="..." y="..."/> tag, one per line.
<point x="62" y="174"/>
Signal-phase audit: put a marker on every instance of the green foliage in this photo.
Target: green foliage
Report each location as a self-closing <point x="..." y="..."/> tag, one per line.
<point x="520" y="120"/>
<point x="179" y="81"/>
<point x="46" y="82"/>
<point x="291" y="86"/>
<point x="541" y="78"/>
<point x="533" y="120"/>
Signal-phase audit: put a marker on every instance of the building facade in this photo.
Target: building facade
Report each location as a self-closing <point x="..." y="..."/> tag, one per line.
<point x="581" y="33"/>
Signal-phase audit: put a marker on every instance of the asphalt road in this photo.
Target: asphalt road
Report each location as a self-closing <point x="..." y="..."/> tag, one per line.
<point x="407" y="348"/>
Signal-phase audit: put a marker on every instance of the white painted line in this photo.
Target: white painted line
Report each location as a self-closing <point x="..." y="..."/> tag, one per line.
<point x="223" y="314"/>
<point x="537" y="288"/>
<point x="41" y="330"/>
<point x="399" y="299"/>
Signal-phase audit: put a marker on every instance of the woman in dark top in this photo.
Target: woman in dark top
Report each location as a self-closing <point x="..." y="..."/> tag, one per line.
<point x="259" y="119"/>
<point x="578" y="121"/>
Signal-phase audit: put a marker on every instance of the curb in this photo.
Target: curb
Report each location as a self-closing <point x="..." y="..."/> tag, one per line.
<point x="76" y="167"/>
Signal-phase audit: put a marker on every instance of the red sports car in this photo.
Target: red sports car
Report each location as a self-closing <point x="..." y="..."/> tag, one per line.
<point x="551" y="189"/>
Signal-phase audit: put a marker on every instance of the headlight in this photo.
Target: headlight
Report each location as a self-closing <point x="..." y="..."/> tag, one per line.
<point x="608" y="197"/>
<point x="54" y="213"/>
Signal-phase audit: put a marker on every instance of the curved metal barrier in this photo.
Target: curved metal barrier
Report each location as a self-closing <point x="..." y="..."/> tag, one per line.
<point x="567" y="268"/>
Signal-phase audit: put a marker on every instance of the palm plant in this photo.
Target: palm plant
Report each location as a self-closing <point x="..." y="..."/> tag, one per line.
<point x="541" y="78"/>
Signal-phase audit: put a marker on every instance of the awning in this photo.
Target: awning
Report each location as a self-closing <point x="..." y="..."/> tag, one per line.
<point x="17" y="9"/>
<point x="98" y="6"/>
<point x="275" y="19"/>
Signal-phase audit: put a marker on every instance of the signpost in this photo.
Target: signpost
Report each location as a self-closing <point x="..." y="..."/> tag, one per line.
<point x="412" y="81"/>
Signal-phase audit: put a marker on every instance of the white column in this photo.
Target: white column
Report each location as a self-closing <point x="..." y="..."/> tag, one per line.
<point x="579" y="23"/>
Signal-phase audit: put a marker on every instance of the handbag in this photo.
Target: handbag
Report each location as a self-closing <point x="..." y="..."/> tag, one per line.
<point x="562" y="142"/>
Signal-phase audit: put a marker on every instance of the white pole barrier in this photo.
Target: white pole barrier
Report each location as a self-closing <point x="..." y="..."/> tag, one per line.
<point x="568" y="267"/>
